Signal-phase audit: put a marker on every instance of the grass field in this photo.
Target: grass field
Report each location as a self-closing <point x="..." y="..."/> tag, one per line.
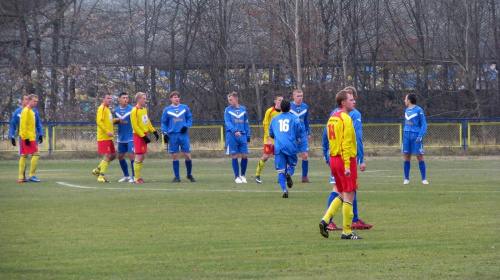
<point x="70" y="227"/>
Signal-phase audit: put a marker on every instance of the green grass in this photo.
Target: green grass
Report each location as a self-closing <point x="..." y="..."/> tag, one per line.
<point x="215" y="228"/>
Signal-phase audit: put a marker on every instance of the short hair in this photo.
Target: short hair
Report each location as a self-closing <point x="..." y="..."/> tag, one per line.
<point x="285" y="106"/>
<point x="352" y="90"/>
<point x="122" y="94"/>
<point x="297" y="91"/>
<point x="277" y="95"/>
<point x="139" y="95"/>
<point x="173" y="93"/>
<point x="31" y="96"/>
<point x="25" y="94"/>
<point x="412" y="97"/>
<point x="341" y="96"/>
<point x="233" y="94"/>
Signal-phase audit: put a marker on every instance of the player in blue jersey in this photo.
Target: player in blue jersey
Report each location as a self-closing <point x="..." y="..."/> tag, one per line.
<point x="14" y="126"/>
<point x="175" y="122"/>
<point x="238" y="135"/>
<point x="286" y="130"/>
<point x="355" y="115"/>
<point x="414" y="129"/>
<point x="301" y="110"/>
<point x="125" y="137"/>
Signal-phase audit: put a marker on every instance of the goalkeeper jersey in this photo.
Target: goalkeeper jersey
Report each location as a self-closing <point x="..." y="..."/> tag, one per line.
<point x="104" y="121"/>
<point x="141" y="124"/>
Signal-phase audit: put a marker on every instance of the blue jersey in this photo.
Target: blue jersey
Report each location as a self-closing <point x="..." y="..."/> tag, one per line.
<point x="16" y="118"/>
<point x="125" y="134"/>
<point x="174" y="118"/>
<point x="285" y="129"/>
<point x="415" y="121"/>
<point x="358" y="129"/>
<point x="237" y="120"/>
<point x="302" y="112"/>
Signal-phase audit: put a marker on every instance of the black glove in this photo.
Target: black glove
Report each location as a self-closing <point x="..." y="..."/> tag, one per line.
<point x="165" y="138"/>
<point x="13" y="141"/>
<point x="40" y="139"/>
<point x="156" y="135"/>
<point x="248" y="140"/>
<point x="146" y="139"/>
<point x="27" y="141"/>
<point x="184" y="129"/>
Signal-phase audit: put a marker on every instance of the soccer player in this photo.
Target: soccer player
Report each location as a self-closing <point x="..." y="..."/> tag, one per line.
<point x="125" y="137"/>
<point x="286" y="131"/>
<point x="300" y="109"/>
<point x="14" y="125"/>
<point x="105" y="133"/>
<point x="141" y="125"/>
<point x="237" y="135"/>
<point x="342" y="138"/>
<point x="175" y="122"/>
<point x="27" y="134"/>
<point x="355" y="115"/>
<point x="268" y="141"/>
<point x="414" y="129"/>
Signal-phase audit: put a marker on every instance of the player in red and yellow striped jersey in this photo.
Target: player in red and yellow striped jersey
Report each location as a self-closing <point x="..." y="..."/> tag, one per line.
<point x="27" y="132"/>
<point x="343" y="149"/>
<point x="268" y="141"/>
<point x="105" y="134"/>
<point x="141" y="125"/>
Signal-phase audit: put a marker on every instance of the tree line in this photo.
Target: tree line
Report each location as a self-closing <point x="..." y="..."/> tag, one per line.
<point x="70" y="52"/>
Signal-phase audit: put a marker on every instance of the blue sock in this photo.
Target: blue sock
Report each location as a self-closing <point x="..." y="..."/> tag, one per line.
<point x="189" y="167"/>
<point x="305" y="168"/>
<point x="175" y="165"/>
<point x="355" y="207"/>
<point x="244" y="163"/>
<point x="421" y="166"/>
<point x="124" y="166"/>
<point x="282" y="181"/>
<point x="407" y="170"/>
<point x="333" y="195"/>
<point x="236" y="168"/>
<point x="290" y="170"/>
<point x="132" y="167"/>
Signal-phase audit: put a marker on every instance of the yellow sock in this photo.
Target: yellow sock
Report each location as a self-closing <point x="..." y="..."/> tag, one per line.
<point x="137" y="169"/>
<point x="22" y="165"/>
<point x="348" y="214"/>
<point x="34" y="163"/>
<point x="104" y="166"/>
<point x="260" y="166"/>
<point x="333" y="209"/>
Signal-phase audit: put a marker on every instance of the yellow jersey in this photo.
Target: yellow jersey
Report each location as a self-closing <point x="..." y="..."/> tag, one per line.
<point x="270" y="114"/>
<point x="342" y="137"/>
<point x="27" y="124"/>
<point x="104" y="121"/>
<point x="141" y="124"/>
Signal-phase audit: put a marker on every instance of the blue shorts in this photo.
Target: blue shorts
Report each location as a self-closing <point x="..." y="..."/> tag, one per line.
<point x="410" y="144"/>
<point x="281" y="161"/>
<point x="303" y="145"/>
<point x="127" y="147"/>
<point x="236" y="145"/>
<point x="177" y="140"/>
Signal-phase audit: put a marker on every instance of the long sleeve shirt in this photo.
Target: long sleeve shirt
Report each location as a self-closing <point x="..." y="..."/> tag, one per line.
<point x="285" y="129"/>
<point x="104" y="121"/>
<point x="342" y="137"/>
<point x="236" y="119"/>
<point x="302" y="112"/>
<point x="266" y="122"/>
<point x="141" y="124"/>
<point x="415" y="121"/>
<point x="174" y="118"/>
<point x="27" y="124"/>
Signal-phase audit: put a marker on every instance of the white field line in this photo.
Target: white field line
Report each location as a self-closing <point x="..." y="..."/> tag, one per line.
<point x="419" y="190"/>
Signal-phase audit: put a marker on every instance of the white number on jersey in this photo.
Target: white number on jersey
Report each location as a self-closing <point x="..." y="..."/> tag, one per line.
<point x="284" y="125"/>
